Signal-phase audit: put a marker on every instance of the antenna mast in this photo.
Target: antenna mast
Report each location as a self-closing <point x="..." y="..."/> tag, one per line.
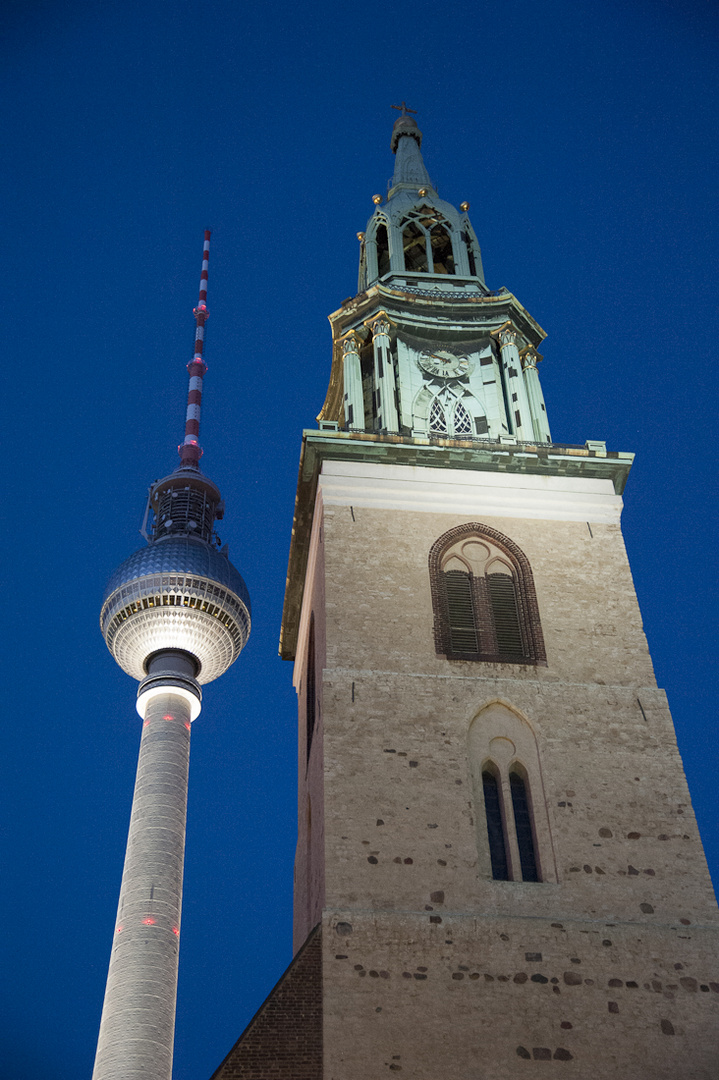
<point x="190" y="451"/>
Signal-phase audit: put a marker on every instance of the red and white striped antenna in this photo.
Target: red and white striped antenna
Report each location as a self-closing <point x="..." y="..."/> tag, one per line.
<point x="190" y="451"/>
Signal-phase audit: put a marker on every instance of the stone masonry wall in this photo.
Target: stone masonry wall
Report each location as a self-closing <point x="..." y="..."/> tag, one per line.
<point x="444" y="971"/>
<point x="501" y="998"/>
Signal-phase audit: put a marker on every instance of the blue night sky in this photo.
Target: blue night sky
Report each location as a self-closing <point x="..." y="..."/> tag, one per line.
<point x="584" y="137"/>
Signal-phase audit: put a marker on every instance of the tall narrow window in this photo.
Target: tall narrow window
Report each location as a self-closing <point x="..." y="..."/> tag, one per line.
<point x="523" y="825"/>
<point x="501" y="617"/>
<point x="503" y="602"/>
<point x="462" y="420"/>
<point x="382" y="250"/>
<point x="310" y="693"/>
<point x="437" y="419"/>
<point x="495" y="826"/>
<point x="442" y="254"/>
<point x="510" y="809"/>
<point x="415" y="248"/>
<point x="460" y="611"/>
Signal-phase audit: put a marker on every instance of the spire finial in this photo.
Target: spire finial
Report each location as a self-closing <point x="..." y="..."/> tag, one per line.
<point x="405" y="108"/>
<point x="190" y="451"/>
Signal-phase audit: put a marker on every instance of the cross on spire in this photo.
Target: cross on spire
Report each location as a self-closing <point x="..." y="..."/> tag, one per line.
<point x="405" y="109"/>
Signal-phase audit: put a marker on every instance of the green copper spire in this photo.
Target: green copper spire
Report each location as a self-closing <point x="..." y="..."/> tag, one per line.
<point x="409" y="168"/>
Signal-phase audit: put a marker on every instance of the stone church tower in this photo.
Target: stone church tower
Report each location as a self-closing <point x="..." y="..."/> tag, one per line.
<point x="498" y="873"/>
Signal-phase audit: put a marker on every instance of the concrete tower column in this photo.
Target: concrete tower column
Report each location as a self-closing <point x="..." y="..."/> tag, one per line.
<point x="384" y="380"/>
<point x="538" y="412"/>
<point x="354" y="396"/>
<point x="520" y="420"/>
<point x="138" y="1016"/>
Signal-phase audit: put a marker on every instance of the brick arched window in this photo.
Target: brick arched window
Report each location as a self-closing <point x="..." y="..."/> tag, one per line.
<point x="485" y="604"/>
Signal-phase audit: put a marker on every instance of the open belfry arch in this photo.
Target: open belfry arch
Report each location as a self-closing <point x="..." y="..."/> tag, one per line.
<point x="498" y="871"/>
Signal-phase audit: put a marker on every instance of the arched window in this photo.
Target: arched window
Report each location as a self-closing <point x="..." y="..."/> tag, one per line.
<point x="513" y="837"/>
<point x="495" y="824"/>
<point x="462" y="421"/>
<point x="442" y="254"/>
<point x="415" y="248"/>
<point x="437" y="419"/>
<point x="382" y="250"/>
<point x="485" y="604"/>
<point x="523" y="825"/>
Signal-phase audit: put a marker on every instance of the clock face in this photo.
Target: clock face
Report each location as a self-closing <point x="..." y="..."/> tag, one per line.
<point x="442" y="362"/>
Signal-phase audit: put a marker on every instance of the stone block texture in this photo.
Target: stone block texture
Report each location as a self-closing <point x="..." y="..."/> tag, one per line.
<point x="606" y="968"/>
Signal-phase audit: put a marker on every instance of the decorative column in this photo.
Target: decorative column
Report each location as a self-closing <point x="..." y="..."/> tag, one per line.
<point x="385" y="395"/>
<point x="352" y="372"/>
<point x="520" y="419"/>
<point x="530" y="359"/>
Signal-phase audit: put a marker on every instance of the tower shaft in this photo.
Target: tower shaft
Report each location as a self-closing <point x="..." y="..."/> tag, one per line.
<point x="138" y="1016"/>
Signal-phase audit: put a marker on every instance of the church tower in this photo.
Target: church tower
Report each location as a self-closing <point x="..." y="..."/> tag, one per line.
<point x="499" y="874"/>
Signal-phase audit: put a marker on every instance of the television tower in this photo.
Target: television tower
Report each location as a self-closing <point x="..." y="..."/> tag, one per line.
<point x="175" y="615"/>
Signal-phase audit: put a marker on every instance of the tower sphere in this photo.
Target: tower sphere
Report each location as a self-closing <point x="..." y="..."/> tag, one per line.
<point x="176" y="593"/>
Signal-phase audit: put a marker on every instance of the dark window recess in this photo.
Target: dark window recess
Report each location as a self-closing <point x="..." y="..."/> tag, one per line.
<point x="480" y="425"/>
<point x="518" y="418"/>
<point x="382" y="250"/>
<point x="523" y="824"/>
<point x="350" y="415"/>
<point x="460" y="610"/>
<point x="442" y="255"/>
<point x="503" y="601"/>
<point x="310" y="697"/>
<point x="415" y="249"/>
<point x="495" y="827"/>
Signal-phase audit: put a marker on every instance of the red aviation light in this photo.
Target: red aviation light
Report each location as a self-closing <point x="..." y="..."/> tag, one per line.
<point x="167" y="716"/>
<point x="176" y="931"/>
<point x="146" y="723"/>
<point x="149" y="921"/>
<point x="119" y="929"/>
<point x="187" y="724"/>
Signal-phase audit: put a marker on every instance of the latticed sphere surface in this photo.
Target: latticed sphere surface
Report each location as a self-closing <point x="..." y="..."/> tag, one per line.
<point x="176" y="594"/>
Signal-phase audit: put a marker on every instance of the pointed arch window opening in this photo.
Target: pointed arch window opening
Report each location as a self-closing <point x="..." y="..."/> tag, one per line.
<point x="382" y="241"/>
<point x="449" y="416"/>
<point x="427" y="243"/>
<point x="485" y="605"/>
<point x="437" y="419"/>
<point x="442" y="253"/>
<point x="496" y="825"/>
<point x="414" y="243"/>
<point x="499" y="823"/>
<point x="524" y="825"/>
<point x="461" y="420"/>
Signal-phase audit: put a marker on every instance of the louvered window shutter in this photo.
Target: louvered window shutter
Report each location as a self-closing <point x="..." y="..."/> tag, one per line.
<point x="460" y="611"/>
<point x="503" y="599"/>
